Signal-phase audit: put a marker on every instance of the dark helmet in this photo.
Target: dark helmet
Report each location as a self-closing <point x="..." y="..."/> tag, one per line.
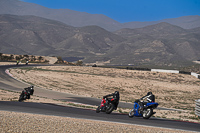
<point x="149" y="93"/>
<point x="32" y="86"/>
<point x="117" y="92"/>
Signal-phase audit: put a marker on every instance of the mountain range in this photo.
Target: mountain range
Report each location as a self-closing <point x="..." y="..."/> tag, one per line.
<point x="161" y="44"/>
<point x="80" y="19"/>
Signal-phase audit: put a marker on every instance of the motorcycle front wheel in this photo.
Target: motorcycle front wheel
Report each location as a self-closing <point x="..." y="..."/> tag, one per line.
<point x="147" y="113"/>
<point x="98" y="109"/>
<point x="131" y="113"/>
<point x="109" y="108"/>
<point x="21" y="98"/>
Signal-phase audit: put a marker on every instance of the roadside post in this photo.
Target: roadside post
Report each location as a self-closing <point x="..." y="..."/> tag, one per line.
<point x="197" y="107"/>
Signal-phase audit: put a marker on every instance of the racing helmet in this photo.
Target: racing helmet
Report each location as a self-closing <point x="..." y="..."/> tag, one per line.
<point x="149" y="93"/>
<point x="117" y="92"/>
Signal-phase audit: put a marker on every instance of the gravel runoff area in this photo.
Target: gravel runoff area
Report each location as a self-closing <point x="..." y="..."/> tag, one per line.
<point x="23" y="122"/>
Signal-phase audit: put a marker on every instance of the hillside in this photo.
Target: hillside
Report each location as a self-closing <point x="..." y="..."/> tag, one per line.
<point x="31" y="35"/>
<point x="38" y="36"/>
<point x="185" y="22"/>
<point x="67" y="16"/>
<point x="80" y="19"/>
<point x="161" y="44"/>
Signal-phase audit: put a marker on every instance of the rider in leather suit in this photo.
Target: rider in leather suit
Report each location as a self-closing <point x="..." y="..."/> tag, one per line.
<point x="149" y="98"/>
<point x="116" y="98"/>
<point x="29" y="91"/>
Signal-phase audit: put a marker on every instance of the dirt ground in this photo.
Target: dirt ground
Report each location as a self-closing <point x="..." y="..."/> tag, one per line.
<point x="7" y="63"/>
<point x="176" y="91"/>
<point x="13" y="122"/>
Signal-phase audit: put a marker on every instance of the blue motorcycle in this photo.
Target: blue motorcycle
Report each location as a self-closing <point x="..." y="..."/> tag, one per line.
<point x="146" y="112"/>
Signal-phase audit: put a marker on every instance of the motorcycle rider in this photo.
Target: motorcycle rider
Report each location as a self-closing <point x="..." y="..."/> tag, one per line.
<point x="29" y="91"/>
<point x="116" y="98"/>
<point x="149" y="99"/>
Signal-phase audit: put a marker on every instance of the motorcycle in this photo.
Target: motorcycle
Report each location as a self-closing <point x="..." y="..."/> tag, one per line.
<point x="107" y="105"/>
<point x="26" y="94"/>
<point x="146" y="112"/>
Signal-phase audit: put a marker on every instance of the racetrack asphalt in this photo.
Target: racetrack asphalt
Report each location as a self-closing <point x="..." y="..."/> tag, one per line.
<point x="9" y="83"/>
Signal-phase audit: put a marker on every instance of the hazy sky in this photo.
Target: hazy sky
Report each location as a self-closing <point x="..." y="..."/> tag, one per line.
<point x="128" y="10"/>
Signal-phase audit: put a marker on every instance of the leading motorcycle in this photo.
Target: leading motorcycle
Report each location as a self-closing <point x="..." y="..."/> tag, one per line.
<point x="26" y="94"/>
<point x="146" y="112"/>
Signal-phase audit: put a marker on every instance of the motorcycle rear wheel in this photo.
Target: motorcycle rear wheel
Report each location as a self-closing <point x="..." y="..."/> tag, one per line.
<point x="147" y="113"/>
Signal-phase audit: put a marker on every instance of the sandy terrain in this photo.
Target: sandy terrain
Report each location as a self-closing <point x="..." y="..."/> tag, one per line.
<point x="13" y="122"/>
<point x="7" y="63"/>
<point x="172" y="91"/>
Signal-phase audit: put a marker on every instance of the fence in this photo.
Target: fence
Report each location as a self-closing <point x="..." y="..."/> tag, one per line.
<point x="166" y="71"/>
<point x="197" y="107"/>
